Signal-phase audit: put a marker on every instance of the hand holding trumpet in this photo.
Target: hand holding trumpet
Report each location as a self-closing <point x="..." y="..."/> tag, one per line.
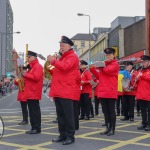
<point x="50" y="58"/>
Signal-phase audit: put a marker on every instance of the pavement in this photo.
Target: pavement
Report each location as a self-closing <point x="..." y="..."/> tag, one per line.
<point x="127" y="137"/>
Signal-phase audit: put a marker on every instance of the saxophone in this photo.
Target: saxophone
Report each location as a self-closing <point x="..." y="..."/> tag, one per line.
<point x="20" y="79"/>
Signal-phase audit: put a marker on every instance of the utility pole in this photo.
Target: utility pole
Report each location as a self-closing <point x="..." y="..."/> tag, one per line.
<point x="147" y="22"/>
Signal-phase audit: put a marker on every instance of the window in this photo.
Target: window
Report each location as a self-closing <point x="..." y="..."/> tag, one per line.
<point x="82" y="43"/>
<point x="75" y="47"/>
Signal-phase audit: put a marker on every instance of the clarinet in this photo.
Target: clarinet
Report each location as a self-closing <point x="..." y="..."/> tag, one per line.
<point x="136" y="79"/>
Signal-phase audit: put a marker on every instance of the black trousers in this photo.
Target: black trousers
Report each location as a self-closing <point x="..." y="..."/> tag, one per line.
<point x="65" y="115"/>
<point x="76" y="114"/>
<point x="119" y="107"/>
<point x="108" y="106"/>
<point x="35" y="114"/>
<point x="128" y="105"/>
<point x="145" y="112"/>
<point x="24" y="111"/>
<point x="96" y="101"/>
<point x="138" y="106"/>
<point x="85" y="105"/>
<point x="91" y="107"/>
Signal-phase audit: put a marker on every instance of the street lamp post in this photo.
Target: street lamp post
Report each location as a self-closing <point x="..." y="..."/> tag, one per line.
<point x="79" y="14"/>
<point x="2" y="34"/>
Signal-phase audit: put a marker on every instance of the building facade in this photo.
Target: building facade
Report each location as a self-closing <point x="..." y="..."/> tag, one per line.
<point x="6" y="37"/>
<point x="134" y="37"/>
<point x="82" y="43"/>
<point x="97" y="50"/>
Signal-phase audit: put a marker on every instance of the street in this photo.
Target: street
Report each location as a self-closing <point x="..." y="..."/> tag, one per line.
<point x="127" y="137"/>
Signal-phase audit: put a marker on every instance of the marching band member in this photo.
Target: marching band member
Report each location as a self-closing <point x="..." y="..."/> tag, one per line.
<point x="75" y="103"/>
<point x="33" y="89"/>
<point x="65" y="89"/>
<point x="128" y="98"/>
<point x="143" y="93"/>
<point x="86" y="90"/>
<point x="107" y="89"/>
<point x="23" y="102"/>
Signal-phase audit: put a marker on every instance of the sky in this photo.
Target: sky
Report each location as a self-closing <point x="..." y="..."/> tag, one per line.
<point x="43" y="22"/>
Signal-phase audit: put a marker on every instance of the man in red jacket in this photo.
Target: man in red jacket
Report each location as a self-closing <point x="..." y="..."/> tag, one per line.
<point x="33" y="89"/>
<point x="107" y="89"/>
<point x="65" y="89"/>
<point x="143" y="84"/>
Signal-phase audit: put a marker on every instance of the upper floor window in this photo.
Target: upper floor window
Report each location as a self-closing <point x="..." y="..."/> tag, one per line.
<point x="82" y="43"/>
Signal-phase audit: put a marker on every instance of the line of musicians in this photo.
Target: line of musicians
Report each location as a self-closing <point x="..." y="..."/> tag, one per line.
<point x="71" y="87"/>
<point x="139" y="90"/>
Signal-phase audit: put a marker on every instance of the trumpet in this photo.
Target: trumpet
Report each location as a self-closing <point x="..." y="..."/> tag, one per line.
<point x="47" y="65"/>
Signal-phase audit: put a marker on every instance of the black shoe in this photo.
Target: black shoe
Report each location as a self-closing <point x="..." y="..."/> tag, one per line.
<point x="131" y="119"/>
<point x="86" y="118"/>
<point x="33" y="132"/>
<point x="141" y="127"/>
<point x="124" y="119"/>
<point x="107" y="129"/>
<point x="96" y="114"/>
<point x="104" y="124"/>
<point x="105" y="132"/>
<point x="23" y="123"/>
<point x="91" y="116"/>
<point x="59" y="139"/>
<point x="111" y="132"/>
<point x="68" y="141"/>
<point x="55" y="121"/>
<point x="147" y="128"/>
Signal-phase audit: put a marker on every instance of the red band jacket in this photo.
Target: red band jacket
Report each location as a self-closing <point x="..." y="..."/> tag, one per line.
<point x="34" y="81"/>
<point x="143" y="86"/>
<point x="66" y="77"/>
<point x="108" y="80"/>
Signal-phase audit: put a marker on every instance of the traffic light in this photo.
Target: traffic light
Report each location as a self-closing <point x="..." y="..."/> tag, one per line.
<point x="8" y="74"/>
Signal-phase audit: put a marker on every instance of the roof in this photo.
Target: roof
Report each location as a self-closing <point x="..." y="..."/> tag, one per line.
<point x="82" y="36"/>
